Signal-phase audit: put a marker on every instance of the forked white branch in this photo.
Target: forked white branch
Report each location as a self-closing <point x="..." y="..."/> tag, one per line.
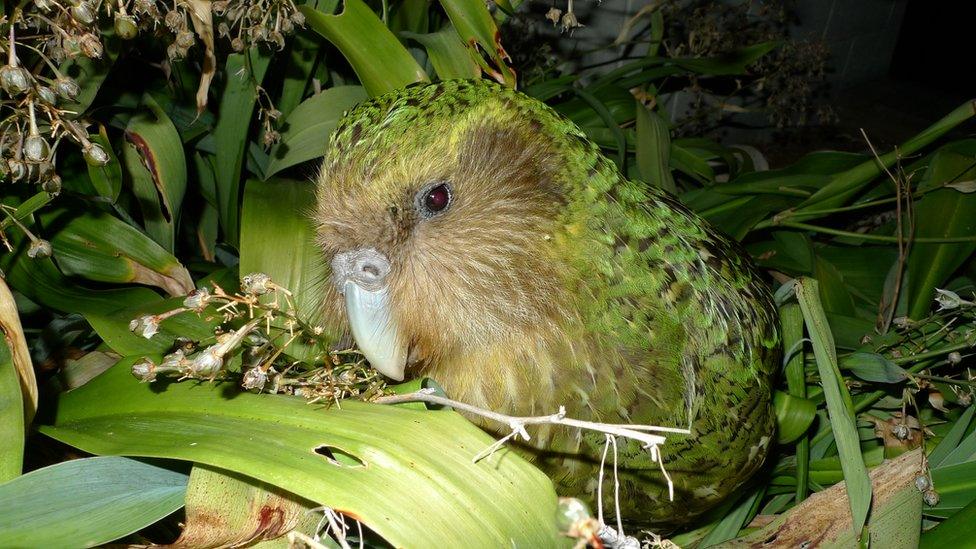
<point x="640" y="433"/>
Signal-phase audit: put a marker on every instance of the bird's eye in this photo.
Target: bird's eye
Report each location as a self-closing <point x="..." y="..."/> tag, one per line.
<point x="434" y="199"/>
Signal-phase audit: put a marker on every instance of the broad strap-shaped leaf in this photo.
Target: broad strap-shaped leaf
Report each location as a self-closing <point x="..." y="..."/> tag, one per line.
<point x="379" y="59"/>
<point x="154" y="159"/>
<point x="100" y="247"/>
<point x="42" y="282"/>
<point x="447" y="53"/>
<point x="225" y="509"/>
<point x="11" y="416"/>
<point x="278" y="239"/>
<point x="243" y="72"/>
<point x="305" y="133"/>
<point x="86" y="502"/>
<point x="942" y="213"/>
<point x="406" y="474"/>
<point x="107" y="179"/>
<point x="654" y="149"/>
<point x="12" y="332"/>
<point x="479" y="32"/>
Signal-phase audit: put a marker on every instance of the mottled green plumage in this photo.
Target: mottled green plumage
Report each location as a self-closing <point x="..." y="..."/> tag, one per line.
<point x="649" y="315"/>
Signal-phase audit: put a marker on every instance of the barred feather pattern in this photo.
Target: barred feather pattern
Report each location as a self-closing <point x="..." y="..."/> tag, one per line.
<point x="552" y="280"/>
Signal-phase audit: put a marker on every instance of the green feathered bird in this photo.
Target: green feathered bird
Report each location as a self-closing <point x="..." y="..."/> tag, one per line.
<point x="477" y="237"/>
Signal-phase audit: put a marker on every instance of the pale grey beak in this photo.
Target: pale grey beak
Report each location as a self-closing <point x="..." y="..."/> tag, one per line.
<point x="361" y="277"/>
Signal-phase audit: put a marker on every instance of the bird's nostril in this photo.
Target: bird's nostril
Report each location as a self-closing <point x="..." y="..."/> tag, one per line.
<point x="371" y="269"/>
<point x="367" y="267"/>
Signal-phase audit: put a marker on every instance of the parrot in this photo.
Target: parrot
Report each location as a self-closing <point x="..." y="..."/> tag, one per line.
<point x="474" y="236"/>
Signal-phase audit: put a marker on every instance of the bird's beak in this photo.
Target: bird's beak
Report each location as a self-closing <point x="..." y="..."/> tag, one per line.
<point x="360" y="275"/>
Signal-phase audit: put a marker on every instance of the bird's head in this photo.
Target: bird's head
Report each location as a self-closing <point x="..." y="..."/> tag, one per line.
<point x="442" y="210"/>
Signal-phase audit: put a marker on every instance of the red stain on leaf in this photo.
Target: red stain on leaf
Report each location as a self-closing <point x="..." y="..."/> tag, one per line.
<point x="270" y="518"/>
<point x="149" y="161"/>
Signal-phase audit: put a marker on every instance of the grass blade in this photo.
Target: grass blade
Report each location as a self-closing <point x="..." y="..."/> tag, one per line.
<point x="839" y="405"/>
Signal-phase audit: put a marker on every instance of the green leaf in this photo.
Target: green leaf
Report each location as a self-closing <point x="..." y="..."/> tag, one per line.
<point x="43" y="283"/>
<point x="731" y="523"/>
<point x="794" y="415"/>
<point x="846" y="184"/>
<point x="278" y="239"/>
<point x="379" y="59"/>
<point x="839" y="405"/>
<point x="305" y="133"/>
<point x="479" y="33"/>
<point x="87" y="502"/>
<point x="791" y="322"/>
<point x="106" y="179"/>
<point x="89" y="74"/>
<point x="416" y="486"/>
<point x="941" y="214"/>
<point x="731" y="63"/>
<point x="100" y="247"/>
<point x="654" y="149"/>
<point x="447" y="53"/>
<point x="952" y="439"/>
<point x="154" y="159"/>
<point x="959" y="530"/>
<point x="956" y="486"/>
<point x="244" y="72"/>
<point x="304" y="55"/>
<point x="11" y="416"/>
<point x="874" y="367"/>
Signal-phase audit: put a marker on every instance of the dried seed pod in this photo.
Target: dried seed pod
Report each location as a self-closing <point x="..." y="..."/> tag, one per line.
<point x="185" y="40"/>
<point x="256" y="284"/>
<point x="46" y="96"/>
<point x="83" y="13"/>
<point x="91" y="46"/>
<point x="901" y="431"/>
<point x="44" y="5"/>
<point x="298" y="19"/>
<point x="197" y="299"/>
<point x="255" y="378"/>
<point x="36" y="149"/>
<point x="52" y="185"/>
<point x="144" y="370"/>
<point x="922" y="483"/>
<point x="14" y="80"/>
<point x="207" y="363"/>
<point x="95" y="155"/>
<point x="125" y="26"/>
<point x="237" y="45"/>
<point x="39" y="249"/>
<point x="954" y="357"/>
<point x="67" y="88"/>
<point x="18" y="169"/>
<point x="930" y="497"/>
<point x="174" y="20"/>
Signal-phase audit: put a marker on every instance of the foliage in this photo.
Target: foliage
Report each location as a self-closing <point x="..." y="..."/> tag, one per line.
<point x="153" y="153"/>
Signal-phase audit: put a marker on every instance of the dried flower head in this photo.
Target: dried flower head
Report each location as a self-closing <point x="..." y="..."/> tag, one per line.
<point x="95" y="155"/>
<point x="146" y="326"/>
<point x="256" y="284"/>
<point x="39" y="249"/>
<point x="197" y="299"/>
<point x="144" y="370"/>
